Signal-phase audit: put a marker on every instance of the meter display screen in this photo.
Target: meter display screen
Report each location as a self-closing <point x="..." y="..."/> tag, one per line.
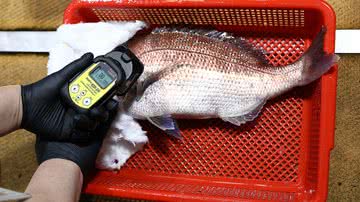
<point x="102" y="77"/>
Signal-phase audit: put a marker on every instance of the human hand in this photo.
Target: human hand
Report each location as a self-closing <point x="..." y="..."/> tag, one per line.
<point x="83" y="155"/>
<point x="47" y="115"/>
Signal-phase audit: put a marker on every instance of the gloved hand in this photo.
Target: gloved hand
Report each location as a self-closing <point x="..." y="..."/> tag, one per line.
<point x="47" y="115"/>
<point x="84" y="155"/>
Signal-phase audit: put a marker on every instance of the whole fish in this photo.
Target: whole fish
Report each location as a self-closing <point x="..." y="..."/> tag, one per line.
<point x="212" y="74"/>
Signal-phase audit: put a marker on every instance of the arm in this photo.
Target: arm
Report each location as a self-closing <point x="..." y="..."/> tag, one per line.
<point x="39" y="109"/>
<point x="62" y="166"/>
<point x="10" y="109"/>
<point x="56" y="180"/>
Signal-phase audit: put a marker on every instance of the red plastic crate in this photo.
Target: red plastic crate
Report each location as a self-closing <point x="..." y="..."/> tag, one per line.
<point x="281" y="156"/>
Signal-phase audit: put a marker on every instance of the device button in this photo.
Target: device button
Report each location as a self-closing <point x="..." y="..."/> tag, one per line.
<point x="75" y="88"/>
<point x="82" y="93"/>
<point x="87" y="101"/>
<point x="126" y="58"/>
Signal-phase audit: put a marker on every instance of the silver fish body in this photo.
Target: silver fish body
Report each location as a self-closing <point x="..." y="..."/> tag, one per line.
<point x="210" y="74"/>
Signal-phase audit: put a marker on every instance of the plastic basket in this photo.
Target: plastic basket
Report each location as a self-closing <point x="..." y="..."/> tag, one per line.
<point x="281" y="156"/>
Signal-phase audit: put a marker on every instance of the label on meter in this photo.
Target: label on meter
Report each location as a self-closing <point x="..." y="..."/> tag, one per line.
<point x="91" y="85"/>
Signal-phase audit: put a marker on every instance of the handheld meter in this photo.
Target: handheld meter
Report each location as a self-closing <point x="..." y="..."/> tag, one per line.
<point x="109" y="75"/>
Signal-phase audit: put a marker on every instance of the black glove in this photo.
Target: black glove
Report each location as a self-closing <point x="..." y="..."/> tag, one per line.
<point x="45" y="114"/>
<point x="84" y="154"/>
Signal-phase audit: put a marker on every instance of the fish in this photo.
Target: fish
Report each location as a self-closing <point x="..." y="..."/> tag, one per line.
<point x="200" y="74"/>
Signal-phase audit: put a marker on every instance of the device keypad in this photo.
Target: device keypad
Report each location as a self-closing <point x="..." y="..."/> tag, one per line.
<point x="83" y="93"/>
<point x="78" y="92"/>
<point x="87" y="101"/>
<point x="75" y="88"/>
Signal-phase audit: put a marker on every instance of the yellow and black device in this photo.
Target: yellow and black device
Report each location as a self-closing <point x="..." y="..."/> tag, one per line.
<point x="109" y="75"/>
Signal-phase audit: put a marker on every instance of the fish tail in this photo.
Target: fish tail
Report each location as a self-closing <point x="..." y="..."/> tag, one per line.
<point x="315" y="60"/>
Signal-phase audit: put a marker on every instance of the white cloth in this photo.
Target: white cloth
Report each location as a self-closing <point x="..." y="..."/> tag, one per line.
<point x="125" y="136"/>
<point x="124" y="139"/>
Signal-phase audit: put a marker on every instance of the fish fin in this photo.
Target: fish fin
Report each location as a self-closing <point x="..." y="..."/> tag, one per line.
<point x="249" y="48"/>
<point x="153" y="78"/>
<point x="250" y="116"/>
<point x="141" y="86"/>
<point x="316" y="61"/>
<point x="139" y="90"/>
<point x="245" y="46"/>
<point x="133" y="95"/>
<point x="167" y="124"/>
<point x="129" y="98"/>
<point x="211" y="33"/>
